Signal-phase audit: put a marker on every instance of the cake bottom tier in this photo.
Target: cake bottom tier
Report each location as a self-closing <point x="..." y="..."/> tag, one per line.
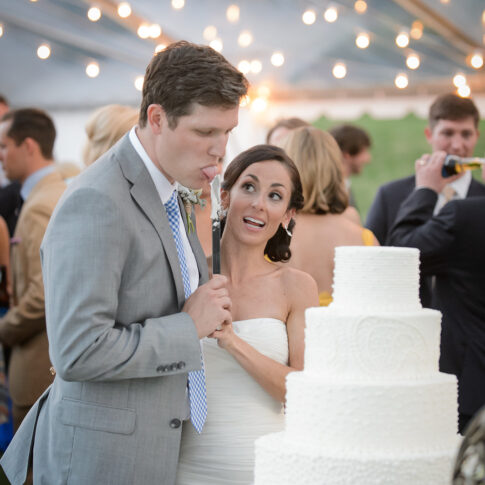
<point x="280" y="463"/>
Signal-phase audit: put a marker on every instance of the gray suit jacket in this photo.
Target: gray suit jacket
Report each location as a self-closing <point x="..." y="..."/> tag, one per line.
<point x="118" y="340"/>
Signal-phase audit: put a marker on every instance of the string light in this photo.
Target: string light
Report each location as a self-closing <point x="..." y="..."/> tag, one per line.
<point x="210" y="33"/>
<point x="245" y="100"/>
<point x="139" y="80"/>
<point x="331" y="14"/>
<point x="464" y="91"/>
<point x="124" y="10"/>
<point x="476" y="60"/>
<point x="277" y="59"/>
<point x="232" y="14"/>
<point x="94" y="14"/>
<point x="259" y="105"/>
<point x="264" y="91"/>
<point x="445" y="1"/>
<point x="92" y="69"/>
<point x="244" y="66"/>
<point x="401" y="81"/>
<point x="178" y="4"/>
<point x="362" y="41"/>
<point x="413" y="61"/>
<point x="43" y="51"/>
<point x="245" y="38"/>
<point x="459" y="79"/>
<point x="256" y="66"/>
<point x="309" y="17"/>
<point x="143" y="31"/>
<point x="160" y="48"/>
<point x="216" y="44"/>
<point x="154" y="31"/>
<point x="339" y="70"/>
<point x="483" y="17"/>
<point x="1" y="30"/>
<point x="402" y="39"/>
<point x="360" y="6"/>
<point x="416" y="30"/>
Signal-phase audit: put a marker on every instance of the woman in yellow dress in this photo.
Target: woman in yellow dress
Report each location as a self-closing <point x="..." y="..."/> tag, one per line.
<point x="326" y="220"/>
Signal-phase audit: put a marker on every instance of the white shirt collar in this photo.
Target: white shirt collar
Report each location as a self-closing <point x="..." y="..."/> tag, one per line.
<point x="164" y="187"/>
<point x="33" y="179"/>
<point x="462" y="185"/>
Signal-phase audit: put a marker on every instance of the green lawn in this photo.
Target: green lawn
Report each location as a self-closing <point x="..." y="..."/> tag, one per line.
<point x="396" y="144"/>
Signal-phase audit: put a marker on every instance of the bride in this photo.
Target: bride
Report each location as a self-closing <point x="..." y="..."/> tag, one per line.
<point x="246" y="362"/>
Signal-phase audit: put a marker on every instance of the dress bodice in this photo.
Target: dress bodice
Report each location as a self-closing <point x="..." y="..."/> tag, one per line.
<point x="239" y="410"/>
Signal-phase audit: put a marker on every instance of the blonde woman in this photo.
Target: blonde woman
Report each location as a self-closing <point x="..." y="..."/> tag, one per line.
<point x="105" y="127"/>
<point x="326" y="220"/>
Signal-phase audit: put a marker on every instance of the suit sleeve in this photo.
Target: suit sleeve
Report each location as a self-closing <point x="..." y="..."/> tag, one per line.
<point x="84" y="255"/>
<point x="376" y="218"/>
<point x="27" y="317"/>
<point x="416" y="227"/>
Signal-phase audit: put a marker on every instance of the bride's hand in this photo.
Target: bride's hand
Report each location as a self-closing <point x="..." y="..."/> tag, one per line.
<point x="225" y="335"/>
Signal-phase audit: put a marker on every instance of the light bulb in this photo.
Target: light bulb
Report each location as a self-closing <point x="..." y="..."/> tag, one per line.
<point x="92" y="69"/>
<point x="339" y="70"/>
<point x="210" y="33"/>
<point x="362" y="41"/>
<point x="309" y="17"/>
<point x="331" y="14"/>
<point x="401" y="81"/>
<point x="232" y="13"/>
<point x="43" y="51"/>
<point x="360" y="6"/>
<point x="277" y="59"/>
<point x="178" y="4"/>
<point x="413" y="61"/>
<point x="245" y="38"/>
<point x="244" y="66"/>
<point x="139" y="83"/>
<point x="464" y="91"/>
<point x="216" y="44"/>
<point x="459" y="79"/>
<point x="94" y="14"/>
<point x="124" y="10"/>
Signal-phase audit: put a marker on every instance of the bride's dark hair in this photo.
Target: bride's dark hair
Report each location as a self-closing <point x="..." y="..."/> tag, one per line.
<point x="278" y="247"/>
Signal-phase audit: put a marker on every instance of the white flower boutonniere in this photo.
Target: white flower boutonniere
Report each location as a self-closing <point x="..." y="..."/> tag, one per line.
<point x="190" y="198"/>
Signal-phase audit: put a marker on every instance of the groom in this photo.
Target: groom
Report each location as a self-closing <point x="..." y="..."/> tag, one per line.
<point x="126" y="291"/>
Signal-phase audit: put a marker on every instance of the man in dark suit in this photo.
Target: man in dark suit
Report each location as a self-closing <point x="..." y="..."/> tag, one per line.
<point x="354" y="143"/>
<point x="452" y="128"/>
<point x="10" y="203"/>
<point x="452" y="249"/>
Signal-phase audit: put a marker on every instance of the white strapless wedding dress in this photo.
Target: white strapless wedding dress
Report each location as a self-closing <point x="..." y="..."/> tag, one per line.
<point x="239" y="410"/>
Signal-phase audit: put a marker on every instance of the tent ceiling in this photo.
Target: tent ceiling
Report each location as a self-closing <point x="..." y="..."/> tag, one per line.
<point x="451" y="31"/>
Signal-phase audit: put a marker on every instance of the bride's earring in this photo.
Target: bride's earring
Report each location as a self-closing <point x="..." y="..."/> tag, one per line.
<point x="287" y="231"/>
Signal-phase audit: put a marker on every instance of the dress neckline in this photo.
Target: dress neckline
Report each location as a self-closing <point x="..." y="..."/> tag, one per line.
<point x="260" y="318"/>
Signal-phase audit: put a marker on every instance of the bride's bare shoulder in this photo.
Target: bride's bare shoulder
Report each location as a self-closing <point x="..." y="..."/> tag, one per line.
<point x="299" y="284"/>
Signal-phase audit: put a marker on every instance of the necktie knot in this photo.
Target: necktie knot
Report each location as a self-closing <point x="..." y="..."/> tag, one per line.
<point x="449" y="192"/>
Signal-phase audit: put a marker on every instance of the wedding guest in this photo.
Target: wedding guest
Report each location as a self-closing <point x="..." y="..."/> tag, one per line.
<point x="105" y="127"/>
<point x="323" y="223"/>
<point x="247" y="361"/>
<point x="26" y="151"/>
<point x="453" y="128"/>
<point x="451" y="245"/>
<point x="10" y="204"/>
<point x="281" y="128"/>
<point x="127" y="291"/>
<point x="354" y="143"/>
<point x="5" y="265"/>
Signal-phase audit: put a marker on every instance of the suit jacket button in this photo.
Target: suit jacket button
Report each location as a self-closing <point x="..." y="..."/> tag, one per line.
<point x="161" y="368"/>
<point x="175" y="423"/>
<point x="173" y="366"/>
<point x="180" y="365"/>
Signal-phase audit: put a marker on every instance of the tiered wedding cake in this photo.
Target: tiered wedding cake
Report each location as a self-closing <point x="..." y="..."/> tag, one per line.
<point x="370" y="406"/>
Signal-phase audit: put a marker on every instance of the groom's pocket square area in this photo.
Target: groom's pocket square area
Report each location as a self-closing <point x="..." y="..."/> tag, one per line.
<point x="83" y="414"/>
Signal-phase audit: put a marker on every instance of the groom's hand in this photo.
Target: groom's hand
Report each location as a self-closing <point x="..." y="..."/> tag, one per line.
<point x="209" y="306"/>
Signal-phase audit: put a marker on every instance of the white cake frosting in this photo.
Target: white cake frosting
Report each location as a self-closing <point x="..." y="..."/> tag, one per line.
<point x="370" y="406"/>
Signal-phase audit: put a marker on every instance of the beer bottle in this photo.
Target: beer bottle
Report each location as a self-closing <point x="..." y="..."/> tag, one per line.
<point x="454" y="164"/>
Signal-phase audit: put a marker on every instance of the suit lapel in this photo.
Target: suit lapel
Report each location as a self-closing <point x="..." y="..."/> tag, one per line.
<point x="145" y="195"/>
<point x="195" y="245"/>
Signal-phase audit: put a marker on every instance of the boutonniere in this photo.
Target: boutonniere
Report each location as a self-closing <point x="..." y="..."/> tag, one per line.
<point x="190" y="198"/>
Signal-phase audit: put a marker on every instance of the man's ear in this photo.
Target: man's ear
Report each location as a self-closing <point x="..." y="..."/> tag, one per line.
<point x="31" y="146"/>
<point x="156" y="118"/>
<point x="225" y="199"/>
<point x="428" y="133"/>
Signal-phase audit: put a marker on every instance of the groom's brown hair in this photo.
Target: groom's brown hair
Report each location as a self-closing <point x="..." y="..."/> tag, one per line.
<point x="186" y="73"/>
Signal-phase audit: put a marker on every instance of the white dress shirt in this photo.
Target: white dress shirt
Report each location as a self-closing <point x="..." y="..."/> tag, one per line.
<point x="460" y="186"/>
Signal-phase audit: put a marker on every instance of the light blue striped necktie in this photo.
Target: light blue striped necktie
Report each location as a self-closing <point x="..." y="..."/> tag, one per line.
<point x="197" y="391"/>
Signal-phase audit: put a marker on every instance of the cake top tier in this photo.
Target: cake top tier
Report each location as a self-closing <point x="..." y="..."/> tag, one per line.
<point x="376" y="278"/>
